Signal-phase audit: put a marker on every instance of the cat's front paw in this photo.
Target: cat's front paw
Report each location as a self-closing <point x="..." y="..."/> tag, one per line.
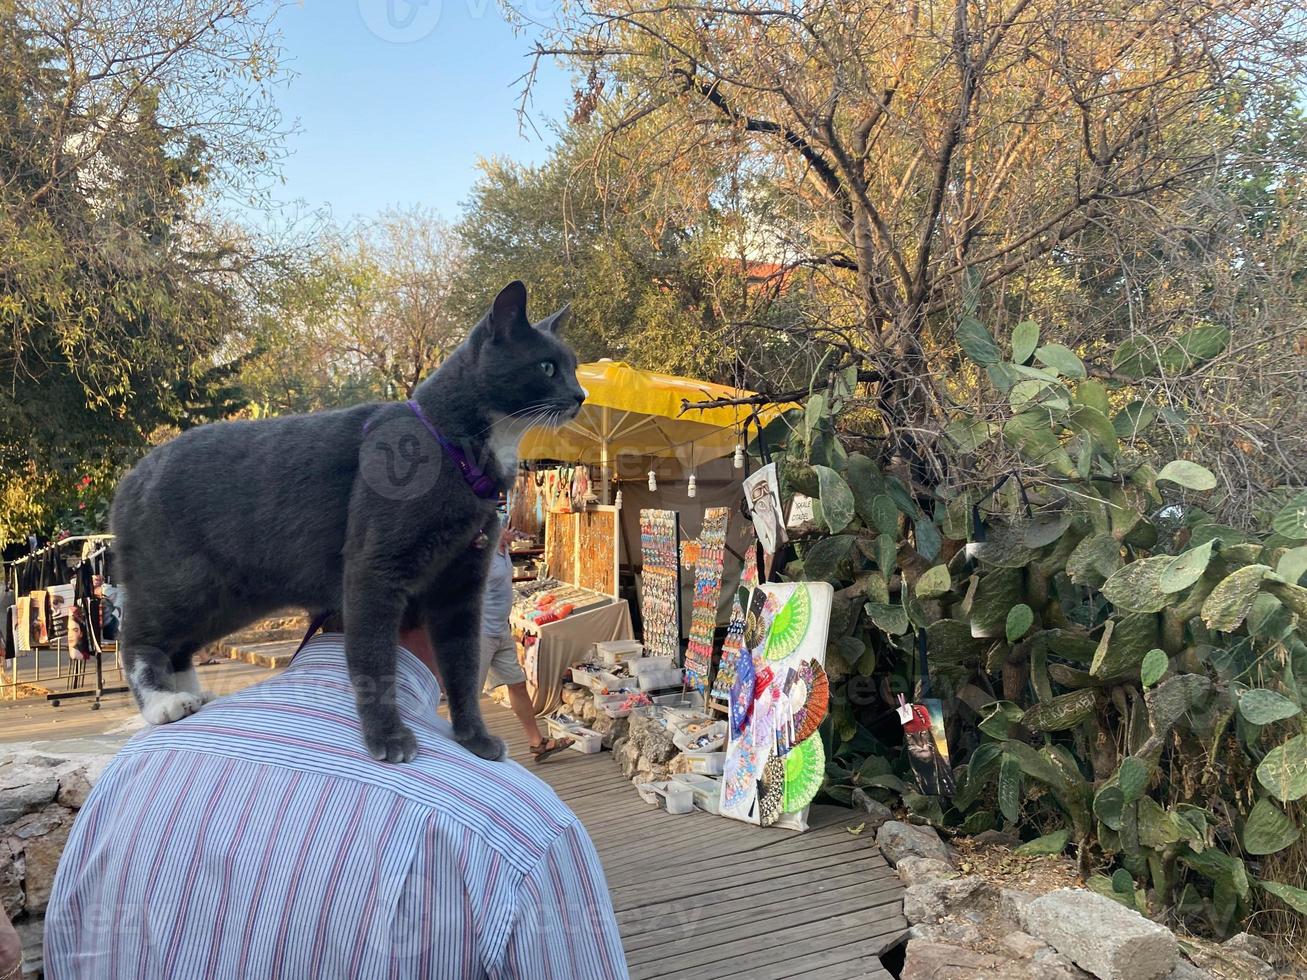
<point x="391" y="743"/>
<point x="162" y="707"/>
<point x="485" y="745"/>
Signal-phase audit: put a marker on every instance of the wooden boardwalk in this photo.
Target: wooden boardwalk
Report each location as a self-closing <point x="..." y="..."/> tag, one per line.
<point x="704" y="897"/>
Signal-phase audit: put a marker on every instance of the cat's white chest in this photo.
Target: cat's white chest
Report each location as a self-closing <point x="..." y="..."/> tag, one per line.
<point x="505" y="437"/>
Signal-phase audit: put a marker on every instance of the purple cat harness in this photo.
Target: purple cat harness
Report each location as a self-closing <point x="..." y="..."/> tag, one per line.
<point x="482" y="485"/>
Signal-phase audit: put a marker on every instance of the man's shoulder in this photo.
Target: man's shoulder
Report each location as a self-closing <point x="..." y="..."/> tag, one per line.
<point x="499" y="805"/>
<point x="500" y="802"/>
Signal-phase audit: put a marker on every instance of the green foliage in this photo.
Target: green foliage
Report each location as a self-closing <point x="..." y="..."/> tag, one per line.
<point x="1145" y="674"/>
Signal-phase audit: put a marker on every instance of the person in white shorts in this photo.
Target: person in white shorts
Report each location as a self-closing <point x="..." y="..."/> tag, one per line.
<point x="499" y="664"/>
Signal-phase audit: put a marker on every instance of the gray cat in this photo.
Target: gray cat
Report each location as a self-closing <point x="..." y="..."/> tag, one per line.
<point x="381" y="511"/>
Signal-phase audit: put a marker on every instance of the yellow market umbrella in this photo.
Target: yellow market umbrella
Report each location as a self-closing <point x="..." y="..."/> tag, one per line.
<point x="631" y="416"/>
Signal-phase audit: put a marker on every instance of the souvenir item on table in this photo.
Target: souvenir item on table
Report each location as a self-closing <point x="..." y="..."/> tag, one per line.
<point x="23" y="624"/>
<point x="742" y="693"/>
<point x="40" y="618"/>
<point x="923" y="728"/>
<point x="805" y="768"/>
<point x="725" y="676"/>
<point x="762" y="491"/>
<point x="597" y="544"/>
<point x="60" y="598"/>
<point x="771" y="792"/>
<point x="790" y="624"/>
<point x="816" y="700"/>
<point x="660" y="594"/>
<point x="580" y="487"/>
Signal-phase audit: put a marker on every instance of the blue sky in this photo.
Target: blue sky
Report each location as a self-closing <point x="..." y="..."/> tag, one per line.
<point x="396" y="101"/>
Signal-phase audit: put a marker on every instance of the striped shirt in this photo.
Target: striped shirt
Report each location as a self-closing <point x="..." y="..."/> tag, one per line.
<point x="257" y="838"/>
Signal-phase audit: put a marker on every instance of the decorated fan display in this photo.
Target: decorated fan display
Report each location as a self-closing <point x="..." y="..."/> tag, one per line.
<point x="805" y="767"/>
<point x="742" y="692"/>
<point x="790" y="624"/>
<point x="774" y="790"/>
<point x="817" y="703"/>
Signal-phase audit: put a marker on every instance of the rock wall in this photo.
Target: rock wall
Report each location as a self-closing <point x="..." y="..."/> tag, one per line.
<point x="39" y="798"/>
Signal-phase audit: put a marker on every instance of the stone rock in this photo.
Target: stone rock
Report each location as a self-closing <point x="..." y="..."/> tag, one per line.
<point x="1184" y="970"/>
<point x="1234" y="963"/>
<point x="74" y="787"/>
<point x="929" y="960"/>
<point x="954" y="933"/>
<point x="914" y="870"/>
<point x="997" y="838"/>
<point x="1101" y="936"/>
<point x="38" y="840"/>
<point x="930" y="901"/>
<point x="1246" y="942"/>
<point x="898" y="840"/>
<point x="25" y="787"/>
<point x="11" y="881"/>
<point x="1011" y="903"/>
<point x="874" y="812"/>
<point x="1022" y="945"/>
<point x="31" y="931"/>
<point x="1048" y="964"/>
<point x="39" y="824"/>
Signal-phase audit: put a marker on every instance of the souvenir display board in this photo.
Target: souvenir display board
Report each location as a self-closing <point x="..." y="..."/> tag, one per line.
<point x="709" y="564"/>
<point x="582" y="548"/>
<point x="660" y="593"/>
<point x="725" y="677"/>
<point x="778" y="697"/>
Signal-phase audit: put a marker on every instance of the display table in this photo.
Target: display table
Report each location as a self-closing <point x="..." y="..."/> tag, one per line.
<point x="564" y="642"/>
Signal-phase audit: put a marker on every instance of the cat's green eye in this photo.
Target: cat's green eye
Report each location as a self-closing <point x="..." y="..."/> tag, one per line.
<point x="549" y="367"/>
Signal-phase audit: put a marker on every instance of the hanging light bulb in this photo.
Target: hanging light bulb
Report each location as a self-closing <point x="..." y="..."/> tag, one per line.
<point x="739" y="456"/>
<point x="617" y="501"/>
<point x="692" y="490"/>
<point x="653" y="480"/>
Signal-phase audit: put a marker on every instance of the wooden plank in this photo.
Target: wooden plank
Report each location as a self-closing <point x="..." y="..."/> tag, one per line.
<point x="701" y="897"/>
<point x="642" y="927"/>
<point x="762" y="919"/>
<point x="745" y="957"/>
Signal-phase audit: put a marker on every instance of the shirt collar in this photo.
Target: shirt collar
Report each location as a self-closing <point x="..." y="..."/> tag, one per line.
<point x="416" y="687"/>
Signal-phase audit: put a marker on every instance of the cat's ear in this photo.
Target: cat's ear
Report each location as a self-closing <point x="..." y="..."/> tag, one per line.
<point x="508" y="312"/>
<point x="553" y="323"/>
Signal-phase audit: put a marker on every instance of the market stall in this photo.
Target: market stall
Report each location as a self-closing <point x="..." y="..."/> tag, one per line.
<point x="632" y="427"/>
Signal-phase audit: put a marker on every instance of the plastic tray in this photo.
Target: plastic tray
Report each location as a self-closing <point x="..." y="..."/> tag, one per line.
<point x="657" y="680"/>
<point x="706" y="789"/>
<point x="647" y="664"/>
<point x="584" y="740"/>
<point x="611" y="652"/>
<point x="706" y="763"/>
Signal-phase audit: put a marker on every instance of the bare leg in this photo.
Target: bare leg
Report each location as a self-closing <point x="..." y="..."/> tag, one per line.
<point x="520" y="702"/>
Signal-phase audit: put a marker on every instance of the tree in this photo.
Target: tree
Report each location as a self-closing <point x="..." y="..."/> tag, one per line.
<point x="118" y="287"/>
<point x="656" y="272"/>
<point x="928" y="156"/>
<point x="370" y="315"/>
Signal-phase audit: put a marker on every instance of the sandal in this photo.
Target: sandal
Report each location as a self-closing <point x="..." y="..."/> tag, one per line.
<point x="543" y="750"/>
